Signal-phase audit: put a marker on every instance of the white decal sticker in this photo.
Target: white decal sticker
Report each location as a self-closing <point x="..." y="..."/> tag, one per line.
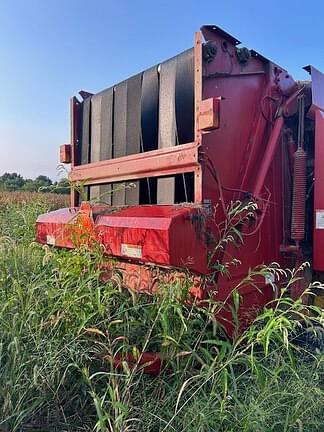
<point x="132" y="251"/>
<point x="50" y="240"/>
<point x="208" y="206"/>
<point x="319" y="219"/>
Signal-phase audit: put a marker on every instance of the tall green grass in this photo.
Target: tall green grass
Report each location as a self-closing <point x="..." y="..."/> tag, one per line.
<point x="61" y="325"/>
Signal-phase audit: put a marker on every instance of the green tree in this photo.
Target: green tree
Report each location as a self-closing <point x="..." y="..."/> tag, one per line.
<point x="62" y="186"/>
<point x="11" y="182"/>
<point x="29" y="186"/>
<point x="42" y="182"/>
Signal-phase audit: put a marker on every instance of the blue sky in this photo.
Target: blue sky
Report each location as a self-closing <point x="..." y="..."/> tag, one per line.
<point x="51" y="49"/>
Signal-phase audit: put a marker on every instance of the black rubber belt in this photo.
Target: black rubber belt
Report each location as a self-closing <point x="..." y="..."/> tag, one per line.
<point x="176" y="112"/>
<point x="95" y="131"/>
<point x="150" y="109"/>
<point x="184" y="108"/>
<point x="161" y="115"/>
<point x="101" y="138"/>
<point x="120" y="133"/>
<point x="184" y="97"/>
<point x="133" y="132"/>
<point x="85" y="136"/>
<point x="107" y="113"/>
<point x="149" y="127"/>
<point x="167" y="124"/>
<point x="85" y="139"/>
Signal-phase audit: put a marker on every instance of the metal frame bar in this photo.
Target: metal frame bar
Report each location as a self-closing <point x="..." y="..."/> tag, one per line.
<point x="74" y="118"/>
<point x="268" y="155"/>
<point x="318" y="232"/>
<point x="198" y="98"/>
<point x="155" y="163"/>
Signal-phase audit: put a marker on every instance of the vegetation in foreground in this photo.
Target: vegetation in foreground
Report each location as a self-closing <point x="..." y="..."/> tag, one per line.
<point x="60" y="325"/>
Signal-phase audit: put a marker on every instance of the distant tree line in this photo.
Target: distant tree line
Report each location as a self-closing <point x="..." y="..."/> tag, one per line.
<point x="15" y="182"/>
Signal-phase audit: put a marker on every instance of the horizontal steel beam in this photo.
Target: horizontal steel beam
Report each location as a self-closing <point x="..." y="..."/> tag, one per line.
<point x="155" y="163"/>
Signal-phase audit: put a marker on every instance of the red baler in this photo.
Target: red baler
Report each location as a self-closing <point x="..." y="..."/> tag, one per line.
<point x="162" y="155"/>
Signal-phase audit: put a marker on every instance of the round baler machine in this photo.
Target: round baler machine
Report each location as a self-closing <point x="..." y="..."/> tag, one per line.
<point x="163" y="154"/>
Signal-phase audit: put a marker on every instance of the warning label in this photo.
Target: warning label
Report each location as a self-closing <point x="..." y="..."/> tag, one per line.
<point x="50" y="240"/>
<point x="319" y="219"/>
<point x="132" y="251"/>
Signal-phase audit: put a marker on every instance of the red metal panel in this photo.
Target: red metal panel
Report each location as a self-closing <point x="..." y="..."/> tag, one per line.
<point x="165" y="235"/>
<point x="53" y="228"/>
<point x="242" y="157"/>
<point x="65" y="153"/>
<point x="317" y="90"/>
<point x="318" y="247"/>
<point x="209" y="111"/>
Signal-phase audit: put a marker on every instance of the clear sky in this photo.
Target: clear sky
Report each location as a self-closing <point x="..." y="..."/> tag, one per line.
<point x="50" y="49"/>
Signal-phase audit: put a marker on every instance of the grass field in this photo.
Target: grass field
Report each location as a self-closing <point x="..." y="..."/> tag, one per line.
<point x="60" y="325"/>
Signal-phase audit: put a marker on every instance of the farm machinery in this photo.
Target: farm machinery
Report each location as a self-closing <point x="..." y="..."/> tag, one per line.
<point x="163" y="155"/>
